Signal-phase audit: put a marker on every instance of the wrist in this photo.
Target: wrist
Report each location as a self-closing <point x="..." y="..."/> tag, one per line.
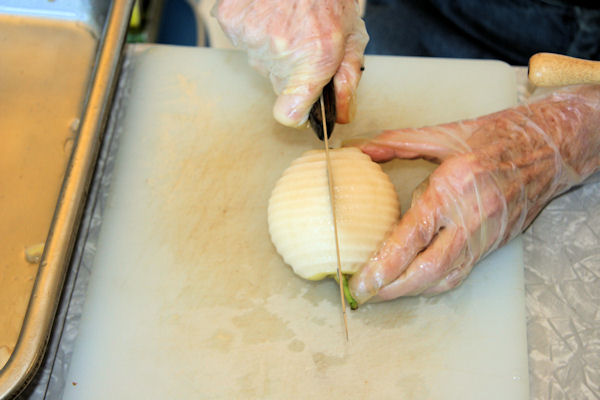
<point x="572" y="118"/>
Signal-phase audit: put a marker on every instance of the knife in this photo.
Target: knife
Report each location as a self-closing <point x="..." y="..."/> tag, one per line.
<point x="326" y="106"/>
<point x="316" y="118"/>
<point x="547" y="69"/>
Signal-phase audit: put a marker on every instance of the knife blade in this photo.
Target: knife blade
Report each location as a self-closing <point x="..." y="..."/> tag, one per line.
<point x="326" y="135"/>
<point x="316" y="117"/>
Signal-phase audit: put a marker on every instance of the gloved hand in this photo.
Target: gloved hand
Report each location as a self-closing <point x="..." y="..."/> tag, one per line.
<point x="496" y="173"/>
<point x="300" y="45"/>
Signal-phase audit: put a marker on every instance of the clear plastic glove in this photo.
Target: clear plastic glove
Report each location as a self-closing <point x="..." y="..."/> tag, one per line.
<point x="496" y="173"/>
<point x="300" y="45"/>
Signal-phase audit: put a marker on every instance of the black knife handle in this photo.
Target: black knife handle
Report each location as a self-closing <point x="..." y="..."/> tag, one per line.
<point x="315" y="117"/>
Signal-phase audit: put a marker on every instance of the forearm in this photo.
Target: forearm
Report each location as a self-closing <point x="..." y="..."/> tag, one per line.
<point x="539" y="150"/>
<point x="569" y="120"/>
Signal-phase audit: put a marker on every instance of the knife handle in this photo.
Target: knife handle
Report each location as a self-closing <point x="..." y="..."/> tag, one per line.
<point x="547" y="69"/>
<point x="315" y="118"/>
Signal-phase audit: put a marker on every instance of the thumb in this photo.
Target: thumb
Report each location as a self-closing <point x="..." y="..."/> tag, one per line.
<point x="435" y="143"/>
<point x="293" y="105"/>
<point x="297" y="92"/>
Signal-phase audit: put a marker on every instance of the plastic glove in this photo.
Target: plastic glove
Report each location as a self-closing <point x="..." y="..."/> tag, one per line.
<point x="496" y="173"/>
<point x="300" y="45"/>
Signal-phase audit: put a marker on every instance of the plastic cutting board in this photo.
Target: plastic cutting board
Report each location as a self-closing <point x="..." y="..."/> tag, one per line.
<point x="188" y="298"/>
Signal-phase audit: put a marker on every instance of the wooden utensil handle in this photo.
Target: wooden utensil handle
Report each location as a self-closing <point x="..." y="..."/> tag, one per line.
<point x="547" y="69"/>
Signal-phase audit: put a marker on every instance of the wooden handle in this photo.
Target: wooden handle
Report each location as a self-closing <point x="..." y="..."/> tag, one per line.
<point x="547" y="69"/>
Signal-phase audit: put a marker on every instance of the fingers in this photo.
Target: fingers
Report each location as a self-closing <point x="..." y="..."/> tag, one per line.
<point x="300" y="45"/>
<point x="304" y="87"/>
<point x="349" y="73"/>
<point x="454" y="278"/>
<point x="405" y="143"/>
<point x="301" y="87"/>
<point x="414" y="232"/>
<point x="435" y="143"/>
<point x="441" y="258"/>
<point x="293" y="105"/>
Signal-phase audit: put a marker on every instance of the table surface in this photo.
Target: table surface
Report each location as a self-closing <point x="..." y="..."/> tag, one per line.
<point x="562" y="279"/>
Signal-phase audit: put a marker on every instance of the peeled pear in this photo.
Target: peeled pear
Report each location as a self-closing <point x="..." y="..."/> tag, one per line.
<point x="300" y="218"/>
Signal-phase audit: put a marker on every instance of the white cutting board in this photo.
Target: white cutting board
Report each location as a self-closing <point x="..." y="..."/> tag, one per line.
<point x="188" y="298"/>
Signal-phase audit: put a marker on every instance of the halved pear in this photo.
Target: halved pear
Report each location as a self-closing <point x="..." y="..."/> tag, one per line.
<point x="300" y="218"/>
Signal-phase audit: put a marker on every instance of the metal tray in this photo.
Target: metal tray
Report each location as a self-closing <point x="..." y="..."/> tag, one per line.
<point x="57" y="73"/>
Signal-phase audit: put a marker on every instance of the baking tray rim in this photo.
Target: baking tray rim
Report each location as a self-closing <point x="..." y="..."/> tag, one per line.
<point x="45" y="296"/>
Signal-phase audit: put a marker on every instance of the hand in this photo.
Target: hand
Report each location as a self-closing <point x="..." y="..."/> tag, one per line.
<point x="496" y="173"/>
<point x="300" y="45"/>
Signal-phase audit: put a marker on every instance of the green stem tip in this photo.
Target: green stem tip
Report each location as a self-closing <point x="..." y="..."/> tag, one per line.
<point x="353" y="303"/>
